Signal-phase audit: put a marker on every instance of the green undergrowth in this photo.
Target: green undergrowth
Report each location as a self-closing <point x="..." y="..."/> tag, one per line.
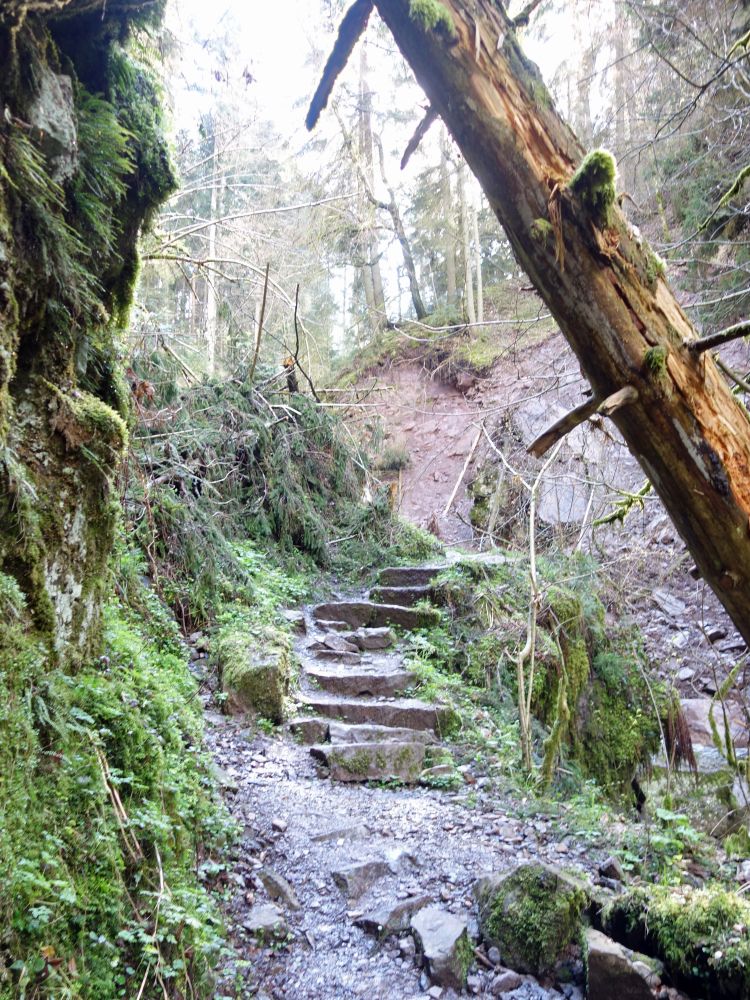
<point x="700" y="934"/>
<point x="606" y="728"/>
<point x="237" y="482"/>
<point x="106" y="817"/>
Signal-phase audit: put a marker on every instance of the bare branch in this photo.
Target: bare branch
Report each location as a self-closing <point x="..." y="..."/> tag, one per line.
<point x="419" y="133"/>
<point x="350" y="30"/>
<point x="722" y="337"/>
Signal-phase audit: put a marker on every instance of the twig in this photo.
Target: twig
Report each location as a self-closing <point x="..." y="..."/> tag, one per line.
<point x="741" y="382"/>
<point x="296" y="349"/>
<point x="173" y="354"/>
<point x="463" y="470"/>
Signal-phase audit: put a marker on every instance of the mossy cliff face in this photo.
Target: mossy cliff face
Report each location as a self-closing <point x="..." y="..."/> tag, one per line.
<point x="83" y="164"/>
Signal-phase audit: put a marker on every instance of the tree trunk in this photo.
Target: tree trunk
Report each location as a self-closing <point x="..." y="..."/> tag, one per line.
<point x="449" y="247"/>
<point x="463" y="211"/>
<point x="403" y="239"/>
<point x="211" y="301"/>
<point x="372" y="254"/>
<point x="688" y="432"/>
<point x="478" y="263"/>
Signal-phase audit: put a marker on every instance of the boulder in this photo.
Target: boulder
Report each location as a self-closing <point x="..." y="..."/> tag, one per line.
<point x="254" y="673"/>
<point x="613" y="973"/>
<point x="532" y="915"/>
<point x="278" y="888"/>
<point x="391" y="917"/>
<point x="696" y="712"/>
<point x="265" y="920"/>
<point x="356" y="878"/>
<point x="715" y="798"/>
<point x="443" y="942"/>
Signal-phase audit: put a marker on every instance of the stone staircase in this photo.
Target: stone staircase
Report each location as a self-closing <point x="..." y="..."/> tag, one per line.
<point x="362" y="728"/>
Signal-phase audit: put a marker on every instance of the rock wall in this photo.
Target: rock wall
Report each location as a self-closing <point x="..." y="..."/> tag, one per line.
<point x="83" y="164"/>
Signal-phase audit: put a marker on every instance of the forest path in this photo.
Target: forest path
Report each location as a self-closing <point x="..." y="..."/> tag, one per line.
<point x="328" y="872"/>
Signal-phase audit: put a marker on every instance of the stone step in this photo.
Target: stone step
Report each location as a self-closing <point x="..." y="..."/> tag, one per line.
<point x="342" y="732"/>
<point x="309" y="729"/>
<point x="403" y="596"/>
<point x="409" y="576"/>
<point x="353" y="682"/>
<point x="368" y="613"/>
<point x="371" y="761"/>
<point x="335" y="641"/>
<point x="336" y="656"/>
<point x="409" y="713"/>
<point x="367" y="639"/>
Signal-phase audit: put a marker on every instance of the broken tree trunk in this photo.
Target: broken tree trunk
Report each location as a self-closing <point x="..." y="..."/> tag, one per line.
<point x="604" y="288"/>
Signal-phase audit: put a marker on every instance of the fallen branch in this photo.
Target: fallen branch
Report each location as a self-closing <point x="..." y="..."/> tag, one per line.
<point x="419" y="133"/>
<point x="296" y="349"/>
<point x="722" y="337"/>
<point x="352" y="27"/>
<point x="571" y="420"/>
<point x="738" y="379"/>
<point x="463" y="471"/>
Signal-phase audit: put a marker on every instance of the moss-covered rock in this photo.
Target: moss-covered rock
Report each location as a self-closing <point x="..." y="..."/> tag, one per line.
<point x="255" y="670"/>
<point x="532" y="915"/>
<point x="701" y="935"/>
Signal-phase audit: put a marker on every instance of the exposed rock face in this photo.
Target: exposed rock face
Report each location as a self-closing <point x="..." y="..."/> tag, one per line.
<point x="444" y="945"/>
<point x="64" y="283"/>
<point x="613" y="973"/>
<point x="531" y="914"/>
<point x="52" y="114"/>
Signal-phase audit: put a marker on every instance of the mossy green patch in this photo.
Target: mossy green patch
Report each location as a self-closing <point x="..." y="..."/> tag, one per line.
<point x="700" y="934"/>
<point x="533" y="915"/>
<point x="594" y="184"/>
<point x="542" y="232"/>
<point x="655" y="360"/>
<point x="103" y="786"/>
<point x="433" y="16"/>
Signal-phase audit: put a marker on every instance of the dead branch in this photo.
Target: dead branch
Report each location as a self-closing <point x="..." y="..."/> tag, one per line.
<point x="722" y="337"/>
<point x="571" y="420"/>
<point x="296" y="350"/>
<point x="463" y="470"/>
<point x="419" y="133"/>
<point x="352" y="26"/>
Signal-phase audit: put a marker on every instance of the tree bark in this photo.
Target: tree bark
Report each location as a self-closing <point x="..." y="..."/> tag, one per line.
<point x="449" y="243"/>
<point x="463" y="211"/>
<point x="688" y="432"/>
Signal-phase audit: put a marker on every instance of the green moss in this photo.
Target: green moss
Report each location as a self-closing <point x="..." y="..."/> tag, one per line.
<point x="71" y="889"/>
<point x="594" y="184"/>
<point x="532" y="915"/>
<point x="700" y="934"/>
<point x="432" y="16"/>
<point x="255" y="667"/>
<point x="542" y="232"/>
<point x="655" y="360"/>
<point x="655" y="267"/>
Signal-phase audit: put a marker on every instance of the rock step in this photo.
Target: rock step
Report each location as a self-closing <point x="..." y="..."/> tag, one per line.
<point x="409" y="576"/>
<point x="367" y="639"/>
<point x="403" y="596"/>
<point x="342" y="732"/>
<point x="309" y="729"/>
<point x="353" y="682"/>
<point x="371" y="761"/>
<point x="409" y="713"/>
<point x="369" y="613"/>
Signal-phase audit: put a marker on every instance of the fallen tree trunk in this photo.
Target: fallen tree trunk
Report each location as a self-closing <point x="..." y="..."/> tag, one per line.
<point x="604" y="287"/>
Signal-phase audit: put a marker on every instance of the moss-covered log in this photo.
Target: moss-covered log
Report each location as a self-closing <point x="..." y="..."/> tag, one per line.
<point x="689" y="434"/>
